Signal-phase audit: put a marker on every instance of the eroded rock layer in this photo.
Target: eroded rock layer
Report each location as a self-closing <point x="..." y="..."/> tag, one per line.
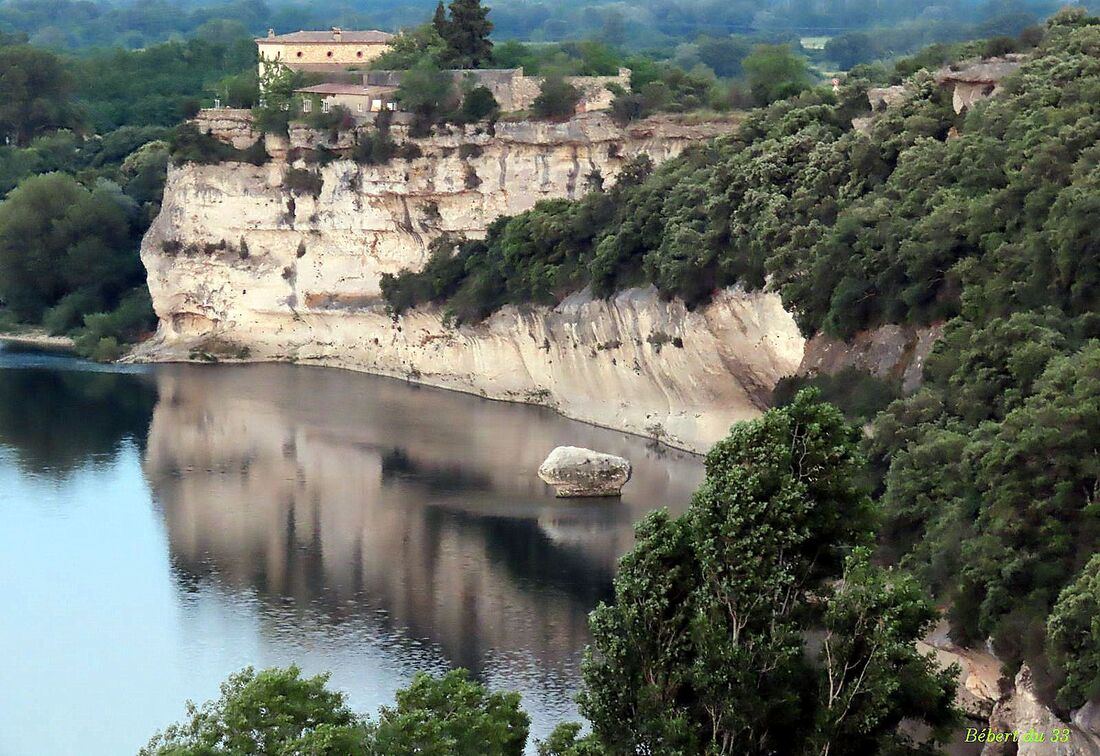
<point x="243" y="266"/>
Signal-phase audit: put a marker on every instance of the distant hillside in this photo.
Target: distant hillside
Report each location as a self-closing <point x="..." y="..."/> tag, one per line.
<point x="647" y="23"/>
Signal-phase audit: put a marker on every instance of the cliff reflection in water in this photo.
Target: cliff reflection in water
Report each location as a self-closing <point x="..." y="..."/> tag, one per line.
<point x="365" y="499"/>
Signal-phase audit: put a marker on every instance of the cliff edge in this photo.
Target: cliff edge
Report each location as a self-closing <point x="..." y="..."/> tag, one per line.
<point x="244" y="263"/>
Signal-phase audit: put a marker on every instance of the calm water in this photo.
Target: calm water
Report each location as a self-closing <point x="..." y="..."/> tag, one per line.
<point x="163" y="527"/>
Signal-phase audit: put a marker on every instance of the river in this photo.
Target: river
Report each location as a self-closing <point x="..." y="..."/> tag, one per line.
<point x="164" y="526"/>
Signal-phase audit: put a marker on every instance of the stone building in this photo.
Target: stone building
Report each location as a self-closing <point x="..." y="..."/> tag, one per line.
<point x="322" y="52"/>
<point x="359" y="99"/>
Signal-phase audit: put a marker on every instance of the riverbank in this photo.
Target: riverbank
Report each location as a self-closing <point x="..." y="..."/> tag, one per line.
<point x="38" y="338"/>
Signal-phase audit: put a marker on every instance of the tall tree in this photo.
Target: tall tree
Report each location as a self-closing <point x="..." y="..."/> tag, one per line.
<point x="57" y="238"/>
<point x="439" y="20"/>
<point x="705" y="649"/>
<point x="34" y="94"/>
<point x="467" y="34"/>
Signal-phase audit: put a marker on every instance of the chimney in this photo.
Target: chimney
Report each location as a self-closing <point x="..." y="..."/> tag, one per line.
<point x="336" y="30"/>
<point x="271" y="34"/>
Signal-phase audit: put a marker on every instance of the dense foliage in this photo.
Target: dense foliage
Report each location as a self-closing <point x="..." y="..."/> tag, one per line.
<point x="705" y="648"/>
<point x="277" y="712"/>
<point x="985" y="221"/>
<point x="82" y="177"/>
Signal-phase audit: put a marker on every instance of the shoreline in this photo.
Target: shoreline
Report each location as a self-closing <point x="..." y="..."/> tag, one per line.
<point x="38" y="338"/>
<point x="330" y="364"/>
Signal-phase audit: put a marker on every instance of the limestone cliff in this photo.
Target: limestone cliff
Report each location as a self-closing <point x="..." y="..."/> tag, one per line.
<point x="241" y="266"/>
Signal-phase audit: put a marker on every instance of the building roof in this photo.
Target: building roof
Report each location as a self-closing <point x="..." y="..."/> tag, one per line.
<point x="372" y="37"/>
<point x="346" y="89"/>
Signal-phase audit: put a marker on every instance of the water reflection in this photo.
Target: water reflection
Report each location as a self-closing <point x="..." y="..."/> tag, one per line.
<point x="368" y="499"/>
<point x="162" y="527"/>
<point x="58" y="414"/>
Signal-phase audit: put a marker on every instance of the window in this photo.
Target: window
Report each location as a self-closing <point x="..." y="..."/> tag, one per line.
<point x="326" y="106"/>
<point x="359" y="107"/>
<point x="329" y="54"/>
<point x="298" y="54"/>
<point x="307" y="105"/>
<point x="359" y="54"/>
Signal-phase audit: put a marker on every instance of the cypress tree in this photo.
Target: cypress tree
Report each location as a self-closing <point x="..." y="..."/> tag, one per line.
<point x="439" y="20"/>
<point x="467" y="34"/>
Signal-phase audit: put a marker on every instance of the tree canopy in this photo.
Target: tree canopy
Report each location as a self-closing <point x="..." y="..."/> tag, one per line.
<point x="278" y="712"/>
<point x="35" y="92"/>
<point x="466" y="33"/>
<point x="705" y="648"/>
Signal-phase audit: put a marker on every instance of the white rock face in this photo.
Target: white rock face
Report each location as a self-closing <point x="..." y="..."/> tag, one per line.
<point x="574" y="471"/>
<point x="240" y="267"/>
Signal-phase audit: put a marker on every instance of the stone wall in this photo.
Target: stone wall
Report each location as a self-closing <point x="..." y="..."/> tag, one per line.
<point x="230" y="125"/>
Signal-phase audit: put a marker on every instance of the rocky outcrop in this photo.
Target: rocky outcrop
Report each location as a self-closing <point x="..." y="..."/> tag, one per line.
<point x="978" y="80"/>
<point x="231" y="125"/>
<point x="1022" y="712"/>
<point x="980" y="679"/>
<point x="1087" y="718"/>
<point x="241" y="267"/>
<point x="573" y="471"/>
<point x="890" y="352"/>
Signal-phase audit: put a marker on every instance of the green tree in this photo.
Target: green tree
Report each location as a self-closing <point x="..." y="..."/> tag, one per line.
<point x="723" y="55"/>
<point x="478" y="104"/>
<point x="775" y="72"/>
<point x="1073" y="635"/>
<point x="35" y="91"/>
<point x="467" y="34"/>
<point x="57" y="237"/>
<point x="704" y="649"/>
<point x="851" y="49"/>
<point x="450" y="715"/>
<point x="428" y="93"/>
<point x="411" y="46"/>
<point x="439" y="20"/>
<point x="274" y="712"/>
<point x="278" y="712"/>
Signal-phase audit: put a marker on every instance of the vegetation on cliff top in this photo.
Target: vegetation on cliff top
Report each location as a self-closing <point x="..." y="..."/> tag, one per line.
<point x="988" y="474"/>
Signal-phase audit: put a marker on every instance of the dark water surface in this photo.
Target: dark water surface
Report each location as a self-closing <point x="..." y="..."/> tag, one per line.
<point x="163" y="527"/>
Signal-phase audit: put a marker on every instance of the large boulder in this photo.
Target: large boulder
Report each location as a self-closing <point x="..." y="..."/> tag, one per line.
<point x="573" y="471"/>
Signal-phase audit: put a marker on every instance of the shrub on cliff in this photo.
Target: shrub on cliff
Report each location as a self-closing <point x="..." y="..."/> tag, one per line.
<point x="557" y="98"/>
<point x="186" y="144"/>
<point x="336" y="119"/>
<point x="376" y="147"/>
<point x="303" y="181"/>
<point x="429" y="94"/>
<point x="478" y="104"/>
